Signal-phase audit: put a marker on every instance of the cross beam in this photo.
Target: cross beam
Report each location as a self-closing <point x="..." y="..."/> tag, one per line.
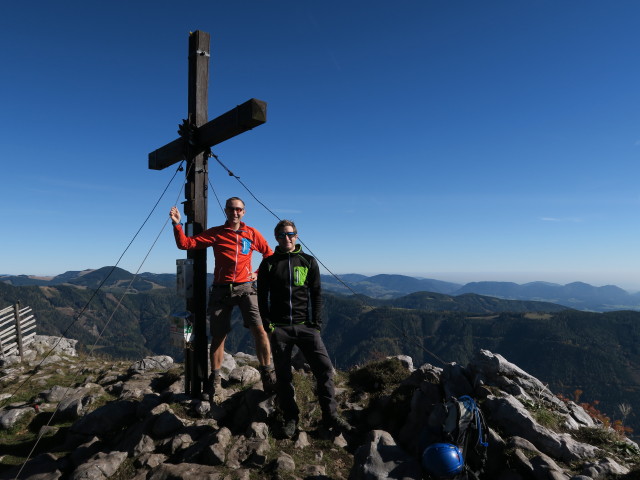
<point x="192" y="149"/>
<point x="236" y="121"/>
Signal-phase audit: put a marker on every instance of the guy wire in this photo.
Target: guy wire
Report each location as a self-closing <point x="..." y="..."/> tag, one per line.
<point x="95" y="292"/>
<point x="356" y="295"/>
<point x="135" y="276"/>
<point x="231" y="174"/>
<point x="216" y="195"/>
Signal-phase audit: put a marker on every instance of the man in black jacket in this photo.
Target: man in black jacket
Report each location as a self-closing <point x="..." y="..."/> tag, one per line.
<point x="291" y="310"/>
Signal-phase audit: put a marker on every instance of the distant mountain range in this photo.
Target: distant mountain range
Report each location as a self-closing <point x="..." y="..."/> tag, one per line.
<point x="596" y="353"/>
<point x="577" y="295"/>
<point x="118" y="278"/>
<point x="138" y="310"/>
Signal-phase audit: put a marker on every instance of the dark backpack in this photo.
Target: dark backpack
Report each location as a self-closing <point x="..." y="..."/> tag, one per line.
<point x="459" y="421"/>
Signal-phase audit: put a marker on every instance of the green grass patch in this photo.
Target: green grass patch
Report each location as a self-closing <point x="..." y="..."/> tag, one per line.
<point x="549" y="419"/>
<point x="608" y="440"/>
<point x="125" y="471"/>
<point x="597" y="436"/>
<point x="336" y="461"/>
<point x="18" y="441"/>
<point x="377" y="377"/>
<point x="545" y="417"/>
<point x="306" y="398"/>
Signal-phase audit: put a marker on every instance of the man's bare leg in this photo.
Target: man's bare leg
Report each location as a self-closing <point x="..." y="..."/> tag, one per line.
<point x="216" y="353"/>
<point x="263" y="348"/>
<point x="263" y="352"/>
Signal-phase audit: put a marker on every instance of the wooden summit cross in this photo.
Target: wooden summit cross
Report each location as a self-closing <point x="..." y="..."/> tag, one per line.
<point x="197" y="135"/>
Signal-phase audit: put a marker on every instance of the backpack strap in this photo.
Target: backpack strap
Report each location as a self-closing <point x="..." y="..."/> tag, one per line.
<point x="466" y="414"/>
<point x="451" y="415"/>
<point x="476" y="415"/>
<point x="481" y="440"/>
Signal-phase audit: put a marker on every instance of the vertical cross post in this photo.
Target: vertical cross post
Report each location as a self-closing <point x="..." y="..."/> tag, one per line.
<point x="197" y="137"/>
<point x="195" y="207"/>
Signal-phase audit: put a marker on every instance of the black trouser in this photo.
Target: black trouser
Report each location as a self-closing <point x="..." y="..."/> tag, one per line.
<point x="312" y="347"/>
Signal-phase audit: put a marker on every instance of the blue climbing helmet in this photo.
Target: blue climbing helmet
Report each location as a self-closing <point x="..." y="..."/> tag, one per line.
<point x="442" y="460"/>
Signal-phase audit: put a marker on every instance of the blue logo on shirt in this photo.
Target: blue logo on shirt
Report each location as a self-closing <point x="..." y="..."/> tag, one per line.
<point x="246" y="246"/>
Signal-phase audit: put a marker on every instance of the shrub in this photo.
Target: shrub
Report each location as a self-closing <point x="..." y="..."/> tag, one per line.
<point x="378" y="376"/>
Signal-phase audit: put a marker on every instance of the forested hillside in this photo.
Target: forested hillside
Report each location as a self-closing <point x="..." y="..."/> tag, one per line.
<point x="597" y="353"/>
<point x="138" y="326"/>
<point x="578" y="295"/>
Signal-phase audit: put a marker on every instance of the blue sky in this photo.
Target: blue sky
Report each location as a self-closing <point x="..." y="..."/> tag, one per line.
<point x="457" y="140"/>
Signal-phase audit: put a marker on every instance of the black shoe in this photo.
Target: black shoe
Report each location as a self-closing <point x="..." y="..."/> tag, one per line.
<point x="268" y="377"/>
<point x="289" y="428"/>
<point x="337" y="423"/>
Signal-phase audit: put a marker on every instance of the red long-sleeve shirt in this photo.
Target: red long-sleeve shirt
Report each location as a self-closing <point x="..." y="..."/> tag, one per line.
<point x="232" y="250"/>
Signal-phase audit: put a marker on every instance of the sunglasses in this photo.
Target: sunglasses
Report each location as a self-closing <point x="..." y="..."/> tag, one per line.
<point x="282" y="235"/>
<point x="234" y="209"/>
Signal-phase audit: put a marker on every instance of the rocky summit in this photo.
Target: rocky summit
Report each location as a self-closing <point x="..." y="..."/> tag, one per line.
<point x="65" y="416"/>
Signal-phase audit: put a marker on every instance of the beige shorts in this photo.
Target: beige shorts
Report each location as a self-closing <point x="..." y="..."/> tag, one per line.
<point x="222" y="299"/>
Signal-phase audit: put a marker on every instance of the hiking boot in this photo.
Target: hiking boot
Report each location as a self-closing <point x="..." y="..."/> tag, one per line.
<point x="268" y="377"/>
<point x="289" y="428"/>
<point x="214" y="385"/>
<point x="336" y="422"/>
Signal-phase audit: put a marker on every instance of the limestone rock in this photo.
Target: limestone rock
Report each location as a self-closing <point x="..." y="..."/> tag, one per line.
<point x="579" y="417"/>
<point x="508" y="413"/>
<point x="82" y="452"/>
<point x="41" y="467"/>
<point x="166" y="423"/>
<point x="228" y="364"/>
<point x="184" y="471"/>
<point x="9" y="417"/>
<point x="55" y="393"/>
<point x="251" y="452"/>
<point x="111" y="417"/>
<point x="150" y="460"/>
<point x="258" y="430"/>
<point x="168" y="435"/>
<point x="406" y="361"/>
<point x="159" y="362"/>
<point x="381" y="458"/>
<point x="99" y="467"/>
<point x="78" y="403"/>
<point x="244" y="375"/>
<point x="43" y="344"/>
<point x="495" y="369"/>
<point x="215" y="452"/>
<point x="285" y="463"/>
<point x="603" y="469"/>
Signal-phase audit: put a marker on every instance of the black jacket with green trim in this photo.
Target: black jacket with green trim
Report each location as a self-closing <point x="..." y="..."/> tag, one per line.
<point x="289" y="291"/>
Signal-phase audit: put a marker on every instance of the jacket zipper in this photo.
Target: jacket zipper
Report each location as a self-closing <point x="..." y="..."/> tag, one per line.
<point x="235" y="264"/>
<point x="290" y="292"/>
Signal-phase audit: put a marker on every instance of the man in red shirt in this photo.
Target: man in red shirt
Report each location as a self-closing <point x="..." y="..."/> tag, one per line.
<point x="233" y="284"/>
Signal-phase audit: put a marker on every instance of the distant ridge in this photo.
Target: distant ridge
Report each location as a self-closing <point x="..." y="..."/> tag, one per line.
<point x="595" y="352"/>
<point x="92" y="278"/>
<point x="470" y="302"/>
<point x="141" y="321"/>
<point x="387" y="285"/>
<point x="577" y="295"/>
